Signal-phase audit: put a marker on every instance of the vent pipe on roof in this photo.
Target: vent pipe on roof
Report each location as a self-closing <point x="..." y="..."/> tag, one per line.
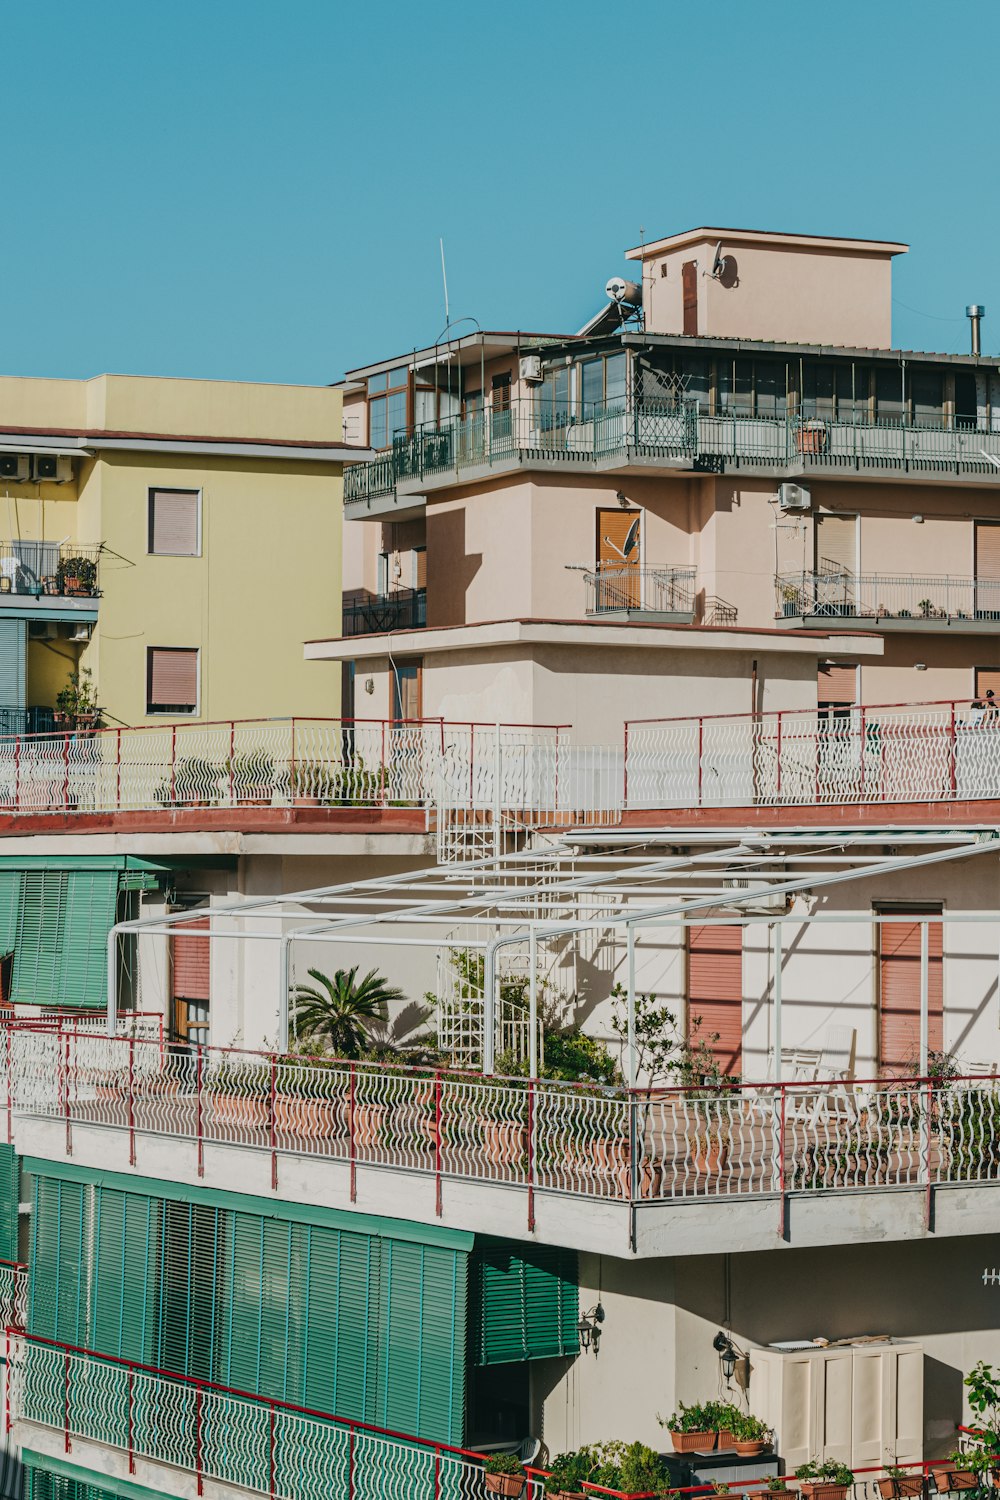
<point x="975" y="313"/>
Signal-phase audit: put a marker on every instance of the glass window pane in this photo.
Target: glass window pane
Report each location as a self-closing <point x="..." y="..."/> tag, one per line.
<point x="770" y="377"/>
<point x="592" y="384"/>
<point x="423" y="406"/>
<point x="397" y="377"/>
<point x="817" y="391"/>
<point x="397" y="413"/>
<point x="694" y="378"/>
<point x="927" y="395"/>
<point x="744" y="386"/>
<point x="377" y="423"/>
<point x="376" y="383"/>
<point x="888" y="394"/>
<point x="614" y="378"/>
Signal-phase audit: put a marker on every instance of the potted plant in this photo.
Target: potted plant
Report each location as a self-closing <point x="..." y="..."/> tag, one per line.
<point x="568" y="1474"/>
<point x="313" y="784"/>
<point x="775" y="1484"/>
<point x="194" y="781"/>
<point x="825" y="1481"/>
<point x="76" y="703"/>
<point x="812" y="437"/>
<point x="789" y="599"/>
<point x="898" y="1484"/>
<point x="750" y="1435"/>
<point x="251" y="778"/>
<point x="692" y="1428"/>
<point x="307" y="1099"/>
<point x="956" y="1472"/>
<point x="504" y="1475"/>
<point x="77" y="575"/>
<point x="236" y="1096"/>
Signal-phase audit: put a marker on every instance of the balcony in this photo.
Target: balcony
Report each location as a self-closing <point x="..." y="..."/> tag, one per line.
<point x="45" y="570"/>
<point x="971" y="605"/>
<point x="159" y="1424"/>
<point x="374" y="614"/>
<point x="605" y="1166"/>
<point x="665" y="596"/>
<point x="679" y="435"/>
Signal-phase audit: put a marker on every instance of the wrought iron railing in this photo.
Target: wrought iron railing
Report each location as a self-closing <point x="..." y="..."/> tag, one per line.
<point x="44" y="568"/>
<point x="373" y="614"/>
<point x="728" y="1141"/>
<point x="876" y="596"/>
<point x="668" y="591"/>
<point x="233" y="1437"/>
<point x="933" y="752"/>
<point x="534" y="430"/>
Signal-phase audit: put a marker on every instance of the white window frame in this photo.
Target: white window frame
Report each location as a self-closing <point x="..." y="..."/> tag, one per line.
<point x="155" y="489"/>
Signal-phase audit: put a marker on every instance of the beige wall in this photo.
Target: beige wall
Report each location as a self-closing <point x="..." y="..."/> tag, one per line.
<point x="661" y="1317"/>
<point x="799" y="294"/>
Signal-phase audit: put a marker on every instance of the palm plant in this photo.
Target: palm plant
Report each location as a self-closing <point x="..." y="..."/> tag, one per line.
<point x="343" y="1010"/>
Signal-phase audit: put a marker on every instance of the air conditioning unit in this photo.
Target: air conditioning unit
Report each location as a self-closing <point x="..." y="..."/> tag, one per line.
<point x="16" y="466"/>
<point x="81" y="632"/>
<point x="794" y="497"/>
<point x="43" y="630"/>
<point x="531" y="368"/>
<point x="52" y="468"/>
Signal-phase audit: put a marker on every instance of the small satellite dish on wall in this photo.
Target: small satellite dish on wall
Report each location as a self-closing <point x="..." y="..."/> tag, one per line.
<point x="631" y="539"/>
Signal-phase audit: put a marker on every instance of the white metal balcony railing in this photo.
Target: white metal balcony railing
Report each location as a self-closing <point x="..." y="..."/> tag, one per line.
<point x="14" y="1293"/>
<point x="634" y="1147"/>
<point x="216" y="1433"/>
<point x="528" y="431"/>
<point x="874" y="596"/>
<point x="930" y="752"/>
<point x="664" y="591"/>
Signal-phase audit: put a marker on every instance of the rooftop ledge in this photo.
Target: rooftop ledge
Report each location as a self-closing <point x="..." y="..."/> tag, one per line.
<point x="537" y="632"/>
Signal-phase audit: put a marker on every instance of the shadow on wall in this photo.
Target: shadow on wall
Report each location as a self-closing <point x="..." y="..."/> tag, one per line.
<point x="450" y="568"/>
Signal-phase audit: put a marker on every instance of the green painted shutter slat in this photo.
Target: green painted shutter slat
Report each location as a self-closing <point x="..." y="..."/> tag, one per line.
<point x="13" y="657"/>
<point x="10" y="900"/>
<point x="525" y="1303"/>
<point x="422" y="1326"/>
<point x="46" y="1479"/>
<point x="58" y="1239"/>
<point x="91" y="904"/>
<point x="60" y="934"/>
<point x="10" y="1197"/>
<point x="39" y="940"/>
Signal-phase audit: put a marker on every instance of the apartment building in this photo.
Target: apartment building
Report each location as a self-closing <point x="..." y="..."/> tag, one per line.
<point x="636" y="714"/>
<point x="148" y="540"/>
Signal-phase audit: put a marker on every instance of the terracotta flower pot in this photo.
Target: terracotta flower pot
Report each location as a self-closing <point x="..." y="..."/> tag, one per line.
<point x="505" y="1142"/>
<point x="749" y="1448"/>
<point x="239" y="1109"/>
<point x="505" y="1484"/>
<point x="822" y="1489"/>
<point x="711" y="1155"/>
<point x="313" y="1119"/>
<point x="724" y="1438"/>
<point x="898" y="1489"/>
<point x="954" y="1479"/>
<point x="692" y="1442"/>
<point x="368" y="1122"/>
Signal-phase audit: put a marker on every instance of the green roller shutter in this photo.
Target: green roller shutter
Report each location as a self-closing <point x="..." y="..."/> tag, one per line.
<point x="524" y="1303"/>
<point x="13" y="656"/>
<point x="38" y="945"/>
<point x="423" y="1322"/>
<point x="48" y="1478"/>
<point x="58" y="1260"/>
<point x="10" y="1197"/>
<point x="91" y="905"/>
<point x="10" y="900"/>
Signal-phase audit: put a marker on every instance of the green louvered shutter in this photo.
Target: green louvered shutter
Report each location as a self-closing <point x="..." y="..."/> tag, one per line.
<point x="10" y="1196"/>
<point x="321" y="1299"/>
<point x="13" y="658"/>
<point x="10" y="901"/>
<point x="524" y="1303"/>
<point x="422" y="1326"/>
<point x="58" y="1244"/>
<point x="38" y="945"/>
<point x="186" y="1291"/>
<point x="122" y="1292"/>
<point x="42" y="1484"/>
<point x="91" y="904"/>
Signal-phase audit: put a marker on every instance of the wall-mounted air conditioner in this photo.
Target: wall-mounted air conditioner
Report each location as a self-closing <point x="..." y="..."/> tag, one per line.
<point x="52" y="468"/>
<point x="531" y="368"/>
<point x="15" y="466"/>
<point x="794" y="497"/>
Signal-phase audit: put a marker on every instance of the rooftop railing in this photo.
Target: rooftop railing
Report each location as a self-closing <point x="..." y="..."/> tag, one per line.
<point x="933" y="752"/>
<point x="534" y="430"/>
<point x="727" y="1141"/>
<point x="216" y="1432"/>
<point x="906" y="599"/>
<point x="49" y="568"/>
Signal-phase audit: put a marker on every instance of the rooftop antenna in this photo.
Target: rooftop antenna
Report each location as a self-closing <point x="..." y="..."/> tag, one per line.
<point x="444" y="278"/>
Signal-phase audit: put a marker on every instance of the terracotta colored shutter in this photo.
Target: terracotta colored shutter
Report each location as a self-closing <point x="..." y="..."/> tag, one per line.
<point x="621" y="589"/>
<point x="899" y="993"/>
<point x="173" y="677"/>
<point x="173" y="522"/>
<point x="988" y="549"/>
<point x="715" y="993"/>
<point x="836" y="544"/>
<point x="987" y="677"/>
<point x="191" y="962"/>
<point x="420" y="567"/>
<point x="837" y="683"/>
<point x="689" y="292"/>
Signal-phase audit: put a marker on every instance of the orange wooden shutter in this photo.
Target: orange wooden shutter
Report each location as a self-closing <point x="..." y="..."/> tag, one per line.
<point x="689" y="293"/>
<point x="899" y="993"/>
<point x="988" y="549"/>
<point x="987" y="677"/>
<point x="173" y="677"/>
<point x="715" y="993"/>
<point x="420" y="567"/>
<point x="837" y="683"/>
<point x="173" y="522"/>
<point x="191" y="962"/>
<point x="836" y="544"/>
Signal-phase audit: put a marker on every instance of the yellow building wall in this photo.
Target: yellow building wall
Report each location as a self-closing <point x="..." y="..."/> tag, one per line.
<point x="267" y="580"/>
<point x="214" y="408"/>
<point x="50" y="664"/>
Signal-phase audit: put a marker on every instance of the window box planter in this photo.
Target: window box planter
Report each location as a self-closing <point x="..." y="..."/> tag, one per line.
<point x="950" y="1478"/>
<point x="693" y="1442"/>
<point x="897" y="1488"/>
<point x="505" y="1141"/>
<point x="823" y="1489"/>
<point x="748" y="1448"/>
<point x="311" y="1119"/>
<point x="369" y="1122"/>
<point x="504" y="1484"/>
<point x="238" y="1109"/>
<point x="711" y="1156"/>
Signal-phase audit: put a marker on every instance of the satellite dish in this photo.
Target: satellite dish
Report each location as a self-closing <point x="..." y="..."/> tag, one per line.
<point x="631" y="538"/>
<point x="719" y="263"/>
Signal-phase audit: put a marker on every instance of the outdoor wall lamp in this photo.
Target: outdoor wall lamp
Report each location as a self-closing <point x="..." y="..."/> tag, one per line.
<point x="589" y="1328"/>
<point x="732" y="1359"/>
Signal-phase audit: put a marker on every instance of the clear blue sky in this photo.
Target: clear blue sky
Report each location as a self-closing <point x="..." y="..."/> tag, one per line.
<point x="255" y="189"/>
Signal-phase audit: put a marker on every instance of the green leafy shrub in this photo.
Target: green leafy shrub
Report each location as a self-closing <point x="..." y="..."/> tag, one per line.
<point x="502" y="1463"/>
<point x="829" y="1472"/>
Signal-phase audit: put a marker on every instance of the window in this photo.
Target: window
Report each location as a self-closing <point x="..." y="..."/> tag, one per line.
<point x="407" y="692"/>
<point x="899" y="949"/>
<point x="500" y="392"/>
<point x="927" y="395"/>
<point x="171" y="680"/>
<point x="601" y="382"/>
<point x="386" y="407"/>
<point x="175" y="523"/>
